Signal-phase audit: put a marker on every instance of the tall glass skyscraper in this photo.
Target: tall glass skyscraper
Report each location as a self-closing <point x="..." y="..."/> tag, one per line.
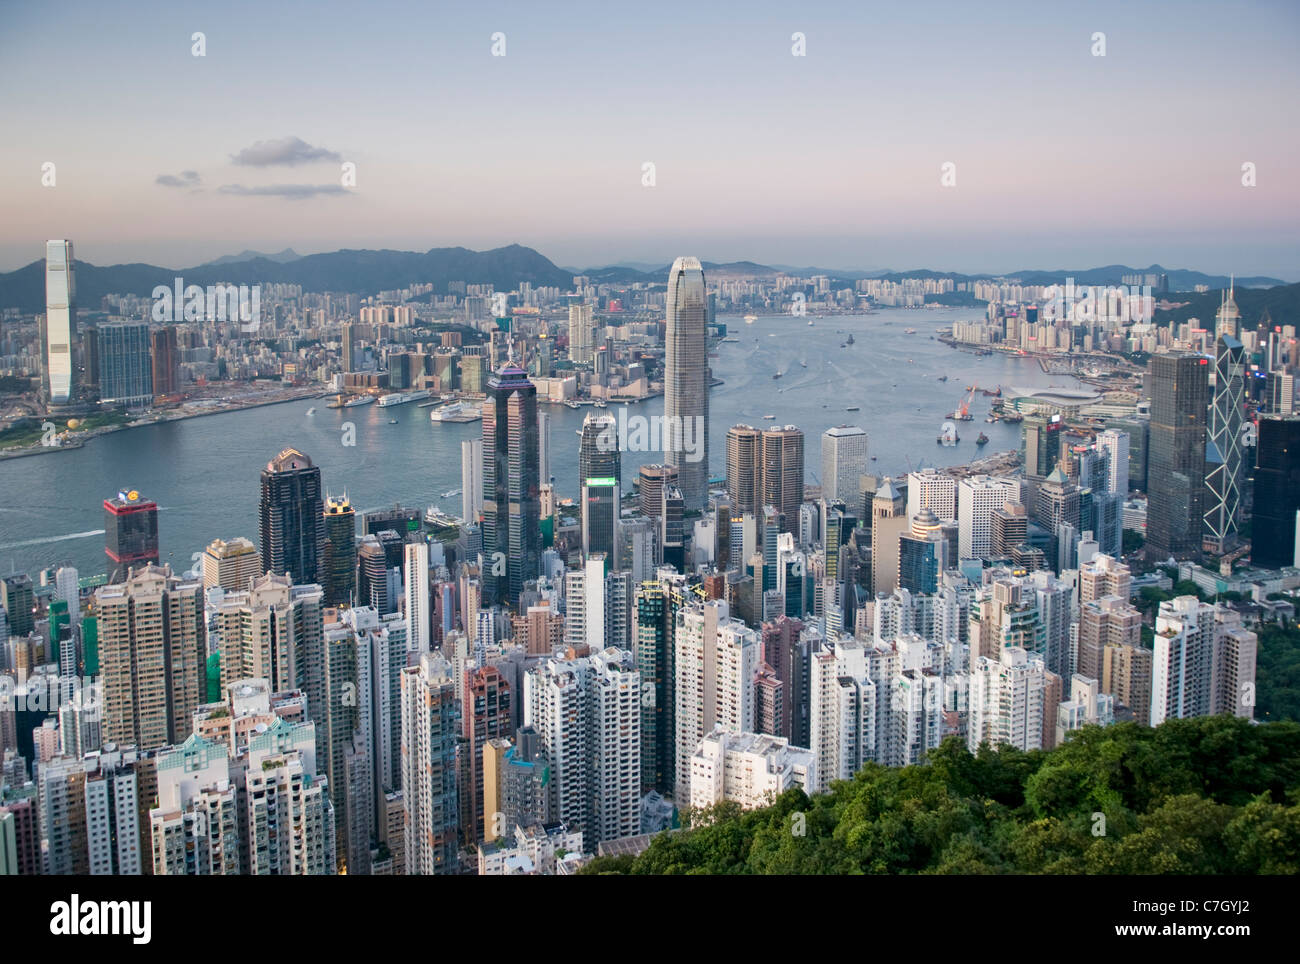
<point x="1224" y="475"/>
<point x="1277" y="492"/>
<point x="59" y="333"/>
<point x="600" y="474"/>
<point x="511" y="486"/>
<point x="1180" y="389"/>
<point x="125" y="364"/>
<point x="130" y="533"/>
<point x="293" y="518"/>
<point x="686" y="381"/>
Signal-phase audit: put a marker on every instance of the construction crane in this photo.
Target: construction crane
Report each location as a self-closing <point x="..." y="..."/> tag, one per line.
<point x="962" y="412"/>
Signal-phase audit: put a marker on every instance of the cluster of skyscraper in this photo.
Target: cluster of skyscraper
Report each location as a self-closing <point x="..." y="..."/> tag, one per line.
<point x="517" y="690"/>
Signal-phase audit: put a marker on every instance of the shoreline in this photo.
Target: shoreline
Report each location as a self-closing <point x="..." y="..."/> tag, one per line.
<point x="81" y="442"/>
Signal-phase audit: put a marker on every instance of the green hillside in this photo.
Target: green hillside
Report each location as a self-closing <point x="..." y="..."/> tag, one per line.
<point x="1215" y="795"/>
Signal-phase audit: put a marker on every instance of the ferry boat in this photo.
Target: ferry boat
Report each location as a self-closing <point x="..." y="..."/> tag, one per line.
<point x="359" y="400"/>
<point x="854" y="408"/>
<point x="441" y="522"/>
<point x="401" y="398"/>
<point x="769" y="417"/>
<point x="456" y="412"/>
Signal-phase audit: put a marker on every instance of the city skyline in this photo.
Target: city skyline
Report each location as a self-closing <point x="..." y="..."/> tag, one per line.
<point x="848" y="139"/>
<point x="469" y="560"/>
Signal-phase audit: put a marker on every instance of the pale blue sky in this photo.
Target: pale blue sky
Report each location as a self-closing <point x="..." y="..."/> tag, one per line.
<point x="1063" y="159"/>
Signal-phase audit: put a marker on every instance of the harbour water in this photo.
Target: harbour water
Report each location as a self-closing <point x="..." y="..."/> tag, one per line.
<point x="204" y="472"/>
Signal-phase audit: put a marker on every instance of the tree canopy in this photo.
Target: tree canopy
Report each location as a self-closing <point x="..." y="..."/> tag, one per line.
<point x="1214" y="795"/>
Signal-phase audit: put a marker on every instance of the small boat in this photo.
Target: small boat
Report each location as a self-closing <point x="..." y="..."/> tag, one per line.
<point x="810" y="324"/>
<point x="778" y="375"/>
<point x="448" y="495"/>
<point x="873" y="458"/>
<point x="572" y="404"/>
<point x="909" y="331"/>
<point x="312" y="410"/>
<point x="854" y="408"/>
<point x="600" y="403"/>
<point x="982" y="440"/>
<point x="849" y="340"/>
<point x="943" y="378"/>
<point x="750" y="319"/>
<point x="392" y="421"/>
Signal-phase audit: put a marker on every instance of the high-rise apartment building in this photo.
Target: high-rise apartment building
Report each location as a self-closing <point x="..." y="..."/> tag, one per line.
<point x="587" y="715"/>
<point x="231" y="565"/>
<point x="430" y="725"/>
<point x="750" y="769"/>
<point x="581" y="334"/>
<point x="1007" y="700"/>
<point x="715" y="660"/>
<point x="686" y="380"/>
<point x="419" y="618"/>
<point x="152" y="657"/>
<point x="1203" y="662"/>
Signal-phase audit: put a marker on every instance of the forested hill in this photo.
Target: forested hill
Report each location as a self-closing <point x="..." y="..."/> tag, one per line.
<point x="1215" y="795"/>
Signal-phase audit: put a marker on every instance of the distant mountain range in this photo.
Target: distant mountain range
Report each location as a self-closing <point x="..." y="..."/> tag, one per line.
<point x="370" y="272"/>
<point x="284" y="257"/>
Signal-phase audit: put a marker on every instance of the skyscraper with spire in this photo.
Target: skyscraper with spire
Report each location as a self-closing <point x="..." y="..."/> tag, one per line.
<point x="511" y="485"/>
<point x="686" y="381"/>
<point x="1223" y="455"/>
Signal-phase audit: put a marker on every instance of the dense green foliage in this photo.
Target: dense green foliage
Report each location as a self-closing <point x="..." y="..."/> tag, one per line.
<point x="1277" y="672"/>
<point x="1215" y="795"/>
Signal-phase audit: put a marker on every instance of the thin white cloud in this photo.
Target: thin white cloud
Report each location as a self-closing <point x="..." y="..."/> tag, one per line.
<point x="294" y="192"/>
<point x="287" y="151"/>
<point x="184" y="179"/>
